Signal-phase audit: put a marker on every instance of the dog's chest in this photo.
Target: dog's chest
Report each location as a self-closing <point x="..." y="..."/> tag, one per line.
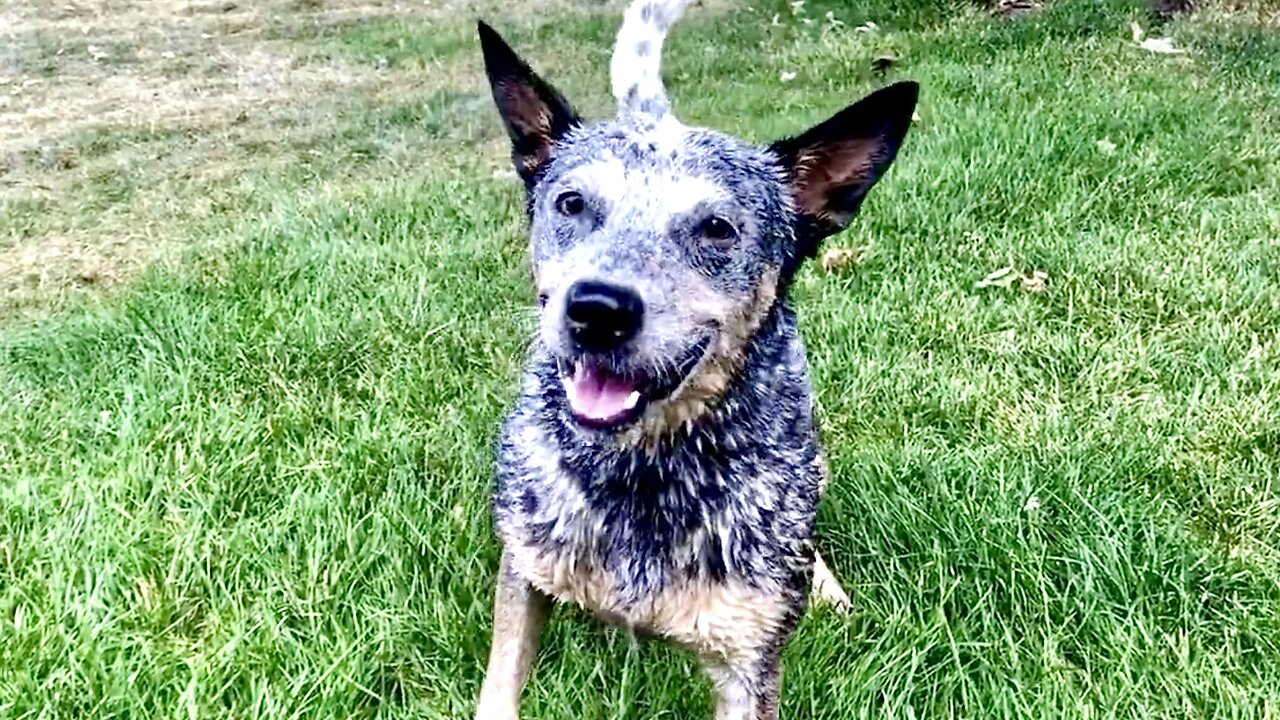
<point x="715" y="617"/>
<point x="702" y="543"/>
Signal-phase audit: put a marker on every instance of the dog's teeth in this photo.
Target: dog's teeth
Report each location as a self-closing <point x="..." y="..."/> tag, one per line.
<point x="631" y="400"/>
<point x="569" y="390"/>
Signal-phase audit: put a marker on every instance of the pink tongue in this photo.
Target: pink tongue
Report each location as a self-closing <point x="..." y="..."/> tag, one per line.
<point x="598" y="394"/>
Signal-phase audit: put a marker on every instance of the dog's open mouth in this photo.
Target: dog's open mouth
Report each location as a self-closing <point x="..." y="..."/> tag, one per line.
<point x="603" y="397"/>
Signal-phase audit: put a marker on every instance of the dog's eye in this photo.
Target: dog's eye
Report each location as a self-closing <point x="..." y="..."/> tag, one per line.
<point x="570" y="204"/>
<point x="719" y="231"/>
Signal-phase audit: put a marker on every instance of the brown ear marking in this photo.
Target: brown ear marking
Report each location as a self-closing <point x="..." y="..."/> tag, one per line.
<point x="535" y="114"/>
<point x="832" y="166"/>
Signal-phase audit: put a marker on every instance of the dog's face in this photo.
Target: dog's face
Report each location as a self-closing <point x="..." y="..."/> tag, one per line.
<point x="655" y="252"/>
<point x="659" y="249"/>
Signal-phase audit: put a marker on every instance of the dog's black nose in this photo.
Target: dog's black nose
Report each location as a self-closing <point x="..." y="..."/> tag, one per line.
<point x="602" y="316"/>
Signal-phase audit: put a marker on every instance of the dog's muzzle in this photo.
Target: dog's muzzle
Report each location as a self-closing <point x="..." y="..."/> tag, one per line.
<point x="605" y="384"/>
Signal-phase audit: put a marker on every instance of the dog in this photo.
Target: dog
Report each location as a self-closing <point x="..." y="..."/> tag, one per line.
<point x="661" y="467"/>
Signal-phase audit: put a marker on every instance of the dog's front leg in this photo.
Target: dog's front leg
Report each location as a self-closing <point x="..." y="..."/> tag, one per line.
<point x="519" y="612"/>
<point x="748" y="691"/>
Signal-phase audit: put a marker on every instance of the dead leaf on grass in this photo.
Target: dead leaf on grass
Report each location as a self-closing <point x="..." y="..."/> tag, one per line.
<point x="1013" y="8"/>
<point x="1036" y="282"/>
<point x="884" y="62"/>
<point x="1159" y="46"/>
<point x="1007" y="277"/>
<point x="839" y="258"/>
<point x="1004" y="277"/>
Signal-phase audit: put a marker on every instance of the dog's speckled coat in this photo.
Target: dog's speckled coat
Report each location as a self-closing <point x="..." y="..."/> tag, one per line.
<point x="693" y="519"/>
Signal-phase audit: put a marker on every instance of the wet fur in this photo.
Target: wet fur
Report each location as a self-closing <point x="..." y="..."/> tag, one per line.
<point x="695" y="521"/>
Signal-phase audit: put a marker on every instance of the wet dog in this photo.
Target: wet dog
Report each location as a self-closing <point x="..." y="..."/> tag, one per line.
<point x="661" y="467"/>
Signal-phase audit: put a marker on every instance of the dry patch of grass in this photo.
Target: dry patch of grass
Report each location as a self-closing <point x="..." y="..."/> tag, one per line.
<point x="152" y="64"/>
<point x="1265" y="12"/>
<point x="123" y="122"/>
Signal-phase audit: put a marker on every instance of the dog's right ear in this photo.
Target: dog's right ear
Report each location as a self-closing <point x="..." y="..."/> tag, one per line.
<point x="536" y="115"/>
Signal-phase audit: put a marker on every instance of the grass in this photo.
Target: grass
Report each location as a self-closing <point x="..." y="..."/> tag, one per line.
<point x="251" y="480"/>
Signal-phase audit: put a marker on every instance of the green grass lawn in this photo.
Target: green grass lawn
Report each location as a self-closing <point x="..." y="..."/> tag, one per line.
<point x="252" y="481"/>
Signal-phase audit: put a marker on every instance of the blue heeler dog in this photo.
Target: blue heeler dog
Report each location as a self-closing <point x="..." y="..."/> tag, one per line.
<point x="661" y="467"/>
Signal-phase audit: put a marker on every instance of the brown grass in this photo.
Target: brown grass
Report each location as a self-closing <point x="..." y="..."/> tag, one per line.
<point x="122" y="121"/>
<point x="1265" y="12"/>
<point x="128" y="126"/>
<point x="149" y="64"/>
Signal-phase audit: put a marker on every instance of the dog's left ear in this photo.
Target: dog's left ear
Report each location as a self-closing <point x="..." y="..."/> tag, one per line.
<point x="832" y="166"/>
<point x="536" y="115"/>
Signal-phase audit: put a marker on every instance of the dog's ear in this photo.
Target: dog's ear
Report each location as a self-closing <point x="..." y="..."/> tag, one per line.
<point x="536" y="115"/>
<point x="832" y="166"/>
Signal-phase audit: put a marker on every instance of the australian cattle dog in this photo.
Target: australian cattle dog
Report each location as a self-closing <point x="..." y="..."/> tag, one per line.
<point x="661" y="467"/>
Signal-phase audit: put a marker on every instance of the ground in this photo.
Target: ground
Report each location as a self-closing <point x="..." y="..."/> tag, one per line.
<point x="263" y="297"/>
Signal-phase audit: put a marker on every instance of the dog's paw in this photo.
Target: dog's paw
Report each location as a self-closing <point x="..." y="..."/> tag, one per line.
<point x="827" y="590"/>
<point x="833" y="596"/>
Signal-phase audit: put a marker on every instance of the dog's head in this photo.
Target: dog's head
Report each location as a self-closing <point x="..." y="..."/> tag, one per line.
<point x="658" y="249"/>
